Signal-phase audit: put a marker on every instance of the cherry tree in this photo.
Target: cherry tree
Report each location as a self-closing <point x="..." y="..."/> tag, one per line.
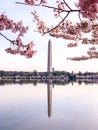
<point x="87" y="11"/>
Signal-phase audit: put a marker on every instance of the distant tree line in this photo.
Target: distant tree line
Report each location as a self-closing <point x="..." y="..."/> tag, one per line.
<point x="35" y="73"/>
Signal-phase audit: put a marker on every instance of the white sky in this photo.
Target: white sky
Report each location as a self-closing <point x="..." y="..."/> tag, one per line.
<point x="39" y="61"/>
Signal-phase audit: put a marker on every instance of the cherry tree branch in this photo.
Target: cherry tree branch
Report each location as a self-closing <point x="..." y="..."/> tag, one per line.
<point x="67" y="5"/>
<point x="63" y="10"/>
<point x="51" y="7"/>
<point x="12" y="41"/>
<point x="57" y="25"/>
<point x="7" y="38"/>
<point x="26" y="4"/>
<point x="21" y="3"/>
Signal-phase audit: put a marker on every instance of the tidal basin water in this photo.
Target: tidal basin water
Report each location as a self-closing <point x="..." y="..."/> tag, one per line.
<point x="49" y="107"/>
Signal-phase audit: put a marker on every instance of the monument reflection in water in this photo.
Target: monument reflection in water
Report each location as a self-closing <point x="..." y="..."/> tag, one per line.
<point x="49" y="98"/>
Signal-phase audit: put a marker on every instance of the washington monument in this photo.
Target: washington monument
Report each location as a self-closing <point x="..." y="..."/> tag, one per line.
<point x="49" y="85"/>
<point x="49" y="64"/>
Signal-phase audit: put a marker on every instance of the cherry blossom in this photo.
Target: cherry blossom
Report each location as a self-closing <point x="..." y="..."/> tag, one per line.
<point x="30" y="2"/>
<point x="68" y="30"/>
<point x="17" y="45"/>
<point x="72" y="45"/>
<point x="89" y="8"/>
<point x="43" y="2"/>
<point x="74" y="32"/>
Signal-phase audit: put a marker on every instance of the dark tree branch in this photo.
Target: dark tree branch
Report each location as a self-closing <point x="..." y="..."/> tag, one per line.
<point x="67" y="5"/>
<point x="26" y="4"/>
<point x="57" y="25"/>
<point x="21" y="3"/>
<point x="11" y="41"/>
<point x="51" y="7"/>
<point x="7" y="38"/>
<point x="63" y="10"/>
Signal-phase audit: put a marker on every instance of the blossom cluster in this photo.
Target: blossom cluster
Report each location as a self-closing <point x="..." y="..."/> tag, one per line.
<point x="19" y="48"/>
<point x="72" y="45"/>
<point x="33" y="2"/>
<point x="69" y="31"/>
<point x="79" y="58"/>
<point x="41" y="26"/>
<point x="66" y="29"/>
<point x="61" y="6"/>
<point x="89" y="8"/>
<point x="8" y="24"/>
<point x="17" y="45"/>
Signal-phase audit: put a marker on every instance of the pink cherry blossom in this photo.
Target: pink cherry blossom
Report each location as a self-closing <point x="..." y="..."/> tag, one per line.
<point x="30" y="2"/>
<point x="43" y="2"/>
<point x="89" y="8"/>
<point x="19" y="42"/>
<point x="8" y="50"/>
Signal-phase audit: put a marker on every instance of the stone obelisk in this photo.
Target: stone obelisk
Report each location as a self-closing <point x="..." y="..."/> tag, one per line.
<point x="49" y="65"/>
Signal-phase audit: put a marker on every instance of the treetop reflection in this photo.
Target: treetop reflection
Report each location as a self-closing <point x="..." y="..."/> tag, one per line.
<point x="54" y="82"/>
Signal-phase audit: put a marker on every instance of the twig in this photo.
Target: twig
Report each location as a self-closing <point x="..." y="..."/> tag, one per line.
<point x="57" y="25"/>
<point x="80" y="17"/>
<point x="75" y="10"/>
<point x="21" y="3"/>
<point x="11" y="41"/>
<point x="67" y="5"/>
<point x="51" y="7"/>
<point x="26" y="4"/>
<point x="7" y="38"/>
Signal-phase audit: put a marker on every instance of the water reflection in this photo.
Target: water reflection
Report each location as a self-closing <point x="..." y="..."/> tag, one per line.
<point x="49" y="106"/>
<point x="49" y="98"/>
<point x="53" y="81"/>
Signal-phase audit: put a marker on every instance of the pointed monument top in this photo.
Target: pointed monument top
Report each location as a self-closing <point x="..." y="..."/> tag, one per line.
<point x="50" y="40"/>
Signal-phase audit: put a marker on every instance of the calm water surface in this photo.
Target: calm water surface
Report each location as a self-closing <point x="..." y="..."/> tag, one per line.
<point x="48" y="107"/>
